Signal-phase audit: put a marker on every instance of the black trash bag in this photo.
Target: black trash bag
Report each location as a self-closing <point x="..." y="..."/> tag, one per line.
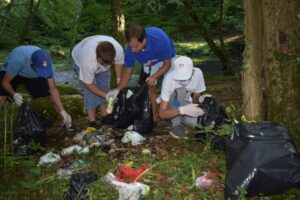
<point x="214" y="115"/>
<point x="30" y="126"/>
<point x="145" y="123"/>
<point x="262" y="159"/>
<point x="218" y="142"/>
<point x="131" y="108"/>
<point x="79" y="185"/>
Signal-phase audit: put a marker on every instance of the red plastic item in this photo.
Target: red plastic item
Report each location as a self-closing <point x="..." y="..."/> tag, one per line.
<point x="128" y="174"/>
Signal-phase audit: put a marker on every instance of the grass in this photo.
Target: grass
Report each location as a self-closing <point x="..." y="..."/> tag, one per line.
<point x="176" y="165"/>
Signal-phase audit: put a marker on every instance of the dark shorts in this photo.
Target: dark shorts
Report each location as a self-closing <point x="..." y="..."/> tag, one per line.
<point x="37" y="87"/>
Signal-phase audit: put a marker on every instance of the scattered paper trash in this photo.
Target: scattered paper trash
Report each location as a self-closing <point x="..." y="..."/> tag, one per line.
<point x="49" y="158"/>
<point x="96" y="139"/>
<point x="206" y="180"/>
<point x="134" y="137"/>
<point x="146" y="151"/>
<point x="131" y="191"/>
<point x="71" y="149"/>
<point x="64" y="173"/>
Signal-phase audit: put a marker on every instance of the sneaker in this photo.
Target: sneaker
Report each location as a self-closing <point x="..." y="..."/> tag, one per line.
<point x="179" y="132"/>
<point x="108" y="119"/>
<point x="93" y="124"/>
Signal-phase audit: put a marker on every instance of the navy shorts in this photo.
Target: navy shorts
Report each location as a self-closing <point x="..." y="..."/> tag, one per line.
<point x="37" y="87"/>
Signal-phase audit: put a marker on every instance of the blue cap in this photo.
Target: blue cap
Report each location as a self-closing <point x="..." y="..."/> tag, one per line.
<point x="42" y="63"/>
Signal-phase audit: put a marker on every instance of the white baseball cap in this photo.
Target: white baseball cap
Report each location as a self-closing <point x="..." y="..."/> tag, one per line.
<point x="183" y="68"/>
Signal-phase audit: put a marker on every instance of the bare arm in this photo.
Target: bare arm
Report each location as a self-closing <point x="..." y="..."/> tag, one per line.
<point x="165" y="112"/>
<point x="6" y="84"/>
<point x="126" y="75"/>
<point x="118" y="70"/>
<point x="196" y="97"/>
<point x="93" y="88"/>
<point x="165" y="67"/>
<point x="55" y="95"/>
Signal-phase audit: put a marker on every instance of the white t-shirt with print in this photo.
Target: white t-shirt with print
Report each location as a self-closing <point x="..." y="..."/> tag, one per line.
<point x="84" y="56"/>
<point x="169" y="85"/>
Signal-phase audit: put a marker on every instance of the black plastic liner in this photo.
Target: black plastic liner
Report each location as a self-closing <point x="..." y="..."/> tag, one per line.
<point x="262" y="159"/>
<point x="30" y="126"/>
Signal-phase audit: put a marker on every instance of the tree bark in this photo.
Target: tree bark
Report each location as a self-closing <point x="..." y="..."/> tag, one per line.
<point x="271" y="75"/>
<point x="31" y="10"/>
<point x="220" y="53"/>
<point x="118" y="20"/>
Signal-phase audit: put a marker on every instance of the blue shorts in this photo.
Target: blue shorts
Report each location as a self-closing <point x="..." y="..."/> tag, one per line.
<point x="102" y="81"/>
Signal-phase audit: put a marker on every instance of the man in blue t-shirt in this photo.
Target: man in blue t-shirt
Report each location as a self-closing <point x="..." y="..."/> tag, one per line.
<point x="151" y="47"/>
<point x="32" y="67"/>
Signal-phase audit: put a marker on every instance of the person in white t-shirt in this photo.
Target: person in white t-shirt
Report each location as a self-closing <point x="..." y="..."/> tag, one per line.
<point x="93" y="57"/>
<point x="181" y="92"/>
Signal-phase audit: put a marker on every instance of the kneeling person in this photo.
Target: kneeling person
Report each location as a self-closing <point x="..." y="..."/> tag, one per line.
<point x="180" y="94"/>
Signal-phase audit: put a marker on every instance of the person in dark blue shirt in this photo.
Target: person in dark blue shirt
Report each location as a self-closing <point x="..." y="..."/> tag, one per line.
<point x="152" y="48"/>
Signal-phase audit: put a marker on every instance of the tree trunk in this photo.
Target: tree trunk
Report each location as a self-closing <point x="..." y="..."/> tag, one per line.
<point x="28" y="20"/>
<point x="271" y="75"/>
<point x="220" y="53"/>
<point x="118" y="20"/>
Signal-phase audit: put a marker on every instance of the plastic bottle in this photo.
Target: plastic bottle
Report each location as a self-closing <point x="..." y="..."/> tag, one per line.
<point x="110" y="105"/>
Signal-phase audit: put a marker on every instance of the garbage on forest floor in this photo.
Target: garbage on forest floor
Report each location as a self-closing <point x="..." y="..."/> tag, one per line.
<point x="206" y="180"/>
<point x="127" y="191"/>
<point x="49" y="158"/>
<point x="129" y="174"/>
<point x="69" y="150"/>
<point x="134" y="137"/>
<point x="64" y="173"/>
<point x="79" y="185"/>
<point x="93" y="138"/>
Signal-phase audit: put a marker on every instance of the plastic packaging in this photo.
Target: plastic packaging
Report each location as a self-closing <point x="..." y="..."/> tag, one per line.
<point x="110" y="105"/>
<point x="204" y="181"/>
<point x="71" y="149"/>
<point x="134" y="137"/>
<point x="64" y="173"/>
<point x="49" y="158"/>
<point x="132" y="191"/>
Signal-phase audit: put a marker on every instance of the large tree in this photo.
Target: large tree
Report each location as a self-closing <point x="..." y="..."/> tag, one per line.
<point x="271" y="74"/>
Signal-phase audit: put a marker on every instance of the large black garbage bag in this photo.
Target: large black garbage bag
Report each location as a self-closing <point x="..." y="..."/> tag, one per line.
<point x="145" y="123"/>
<point x="30" y="126"/>
<point x="262" y="159"/>
<point x="127" y="111"/>
<point x="214" y="115"/>
<point x="79" y="185"/>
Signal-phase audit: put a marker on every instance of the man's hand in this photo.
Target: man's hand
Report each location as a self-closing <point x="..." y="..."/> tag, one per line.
<point x="18" y="99"/>
<point x="191" y="110"/>
<point x="150" y="80"/>
<point x="202" y="97"/>
<point x="112" y="94"/>
<point x="67" y="121"/>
